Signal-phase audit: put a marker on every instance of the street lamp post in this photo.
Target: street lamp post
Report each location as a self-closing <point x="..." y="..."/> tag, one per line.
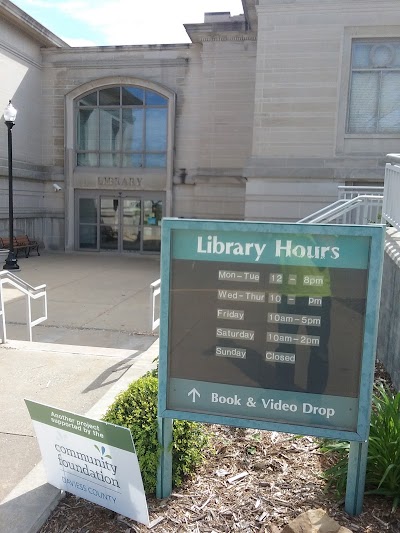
<point x="10" y="114"/>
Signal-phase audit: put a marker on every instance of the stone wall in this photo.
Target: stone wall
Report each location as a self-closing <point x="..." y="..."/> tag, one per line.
<point x="214" y="86"/>
<point x="37" y="212"/>
<point x="264" y="102"/>
<point x="301" y="95"/>
<point x="21" y="81"/>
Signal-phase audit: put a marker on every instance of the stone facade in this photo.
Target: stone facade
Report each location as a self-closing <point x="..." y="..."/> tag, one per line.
<point x="37" y="212"/>
<point x="301" y="150"/>
<point x="257" y="115"/>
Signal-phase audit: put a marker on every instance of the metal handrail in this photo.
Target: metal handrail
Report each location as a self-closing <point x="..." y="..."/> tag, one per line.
<point x="155" y="289"/>
<point x="391" y="211"/>
<point x="26" y="286"/>
<point x="342" y="207"/>
<point x="346" y="192"/>
<point x="31" y="293"/>
<point x="321" y="212"/>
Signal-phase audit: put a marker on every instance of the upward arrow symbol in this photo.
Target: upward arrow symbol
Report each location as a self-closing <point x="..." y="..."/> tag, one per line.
<point x="194" y="392"/>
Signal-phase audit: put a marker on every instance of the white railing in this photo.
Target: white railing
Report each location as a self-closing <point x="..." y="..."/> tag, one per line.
<point x="391" y="203"/>
<point x="373" y="209"/>
<point x="154" y="294"/>
<point x="362" y="209"/>
<point x="347" y="192"/>
<point x="31" y="293"/>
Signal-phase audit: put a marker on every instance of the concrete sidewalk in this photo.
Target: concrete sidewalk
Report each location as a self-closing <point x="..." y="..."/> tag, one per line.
<point x="90" y="350"/>
<point x="92" y="297"/>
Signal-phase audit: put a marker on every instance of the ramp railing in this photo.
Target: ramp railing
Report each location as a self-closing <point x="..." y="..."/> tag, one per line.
<point x="347" y="192"/>
<point x="362" y="209"/>
<point x="391" y="204"/>
<point x="155" y="304"/>
<point x="31" y="293"/>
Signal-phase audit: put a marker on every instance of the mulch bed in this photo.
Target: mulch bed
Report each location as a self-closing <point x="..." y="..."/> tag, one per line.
<point x="251" y="481"/>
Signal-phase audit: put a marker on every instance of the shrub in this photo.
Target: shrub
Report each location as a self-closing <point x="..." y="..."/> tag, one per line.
<point x="136" y="409"/>
<point x="383" y="463"/>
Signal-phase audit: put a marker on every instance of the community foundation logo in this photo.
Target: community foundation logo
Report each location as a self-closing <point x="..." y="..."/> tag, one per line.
<point x="87" y="466"/>
<point x="102" y="452"/>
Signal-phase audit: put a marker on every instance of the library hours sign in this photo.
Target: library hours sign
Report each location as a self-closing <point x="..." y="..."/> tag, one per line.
<point x="269" y="325"/>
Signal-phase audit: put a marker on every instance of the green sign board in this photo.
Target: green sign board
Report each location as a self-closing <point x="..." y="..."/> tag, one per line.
<point x="269" y="325"/>
<point x="90" y="458"/>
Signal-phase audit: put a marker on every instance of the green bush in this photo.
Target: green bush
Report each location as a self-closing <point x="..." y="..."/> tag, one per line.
<point x="136" y="409"/>
<point x="383" y="463"/>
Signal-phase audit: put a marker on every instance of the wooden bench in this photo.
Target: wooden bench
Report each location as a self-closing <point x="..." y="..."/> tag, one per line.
<point x="21" y="242"/>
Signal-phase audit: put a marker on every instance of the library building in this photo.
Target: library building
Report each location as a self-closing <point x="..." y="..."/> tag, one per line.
<point x="260" y="117"/>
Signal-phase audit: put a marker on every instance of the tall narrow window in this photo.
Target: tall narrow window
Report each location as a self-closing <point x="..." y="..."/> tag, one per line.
<point x="374" y="104"/>
<point x="122" y="127"/>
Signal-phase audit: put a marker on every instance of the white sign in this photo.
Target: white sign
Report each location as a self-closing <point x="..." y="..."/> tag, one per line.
<point x="90" y="458"/>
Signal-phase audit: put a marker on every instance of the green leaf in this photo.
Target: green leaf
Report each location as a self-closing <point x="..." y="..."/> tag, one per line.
<point x="383" y="462"/>
<point x="136" y="409"/>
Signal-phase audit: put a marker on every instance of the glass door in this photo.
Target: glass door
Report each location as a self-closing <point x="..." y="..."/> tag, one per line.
<point x="120" y="223"/>
<point x="109" y="223"/>
<point x="131" y="224"/>
<point x="152" y="215"/>
<point x="87" y="223"/>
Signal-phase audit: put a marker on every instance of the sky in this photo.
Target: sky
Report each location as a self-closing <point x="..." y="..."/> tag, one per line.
<point x="121" y="22"/>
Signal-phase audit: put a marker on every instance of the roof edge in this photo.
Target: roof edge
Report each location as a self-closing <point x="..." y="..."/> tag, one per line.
<point x="32" y="27"/>
<point x="250" y="13"/>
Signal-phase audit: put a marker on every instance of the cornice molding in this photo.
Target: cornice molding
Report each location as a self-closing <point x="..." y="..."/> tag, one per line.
<point x="250" y="13"/>
<point x="207" y="38"/>
<point x="319" y="6"/>
<point x="21" y="20"/>
<point x="19" y="55"/>
<point x="105" y="63"/>
<point x="218" y="31"/>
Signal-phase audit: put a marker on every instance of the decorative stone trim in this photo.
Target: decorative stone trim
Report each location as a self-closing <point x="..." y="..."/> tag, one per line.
<point x="104" y="63"/>
<point x="16" y="53"/>
<point x="227" y="38"/>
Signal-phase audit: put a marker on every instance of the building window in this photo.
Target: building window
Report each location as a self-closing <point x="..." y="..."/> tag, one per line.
<point x="374" y="104"/>
<point x="122" y="127"/>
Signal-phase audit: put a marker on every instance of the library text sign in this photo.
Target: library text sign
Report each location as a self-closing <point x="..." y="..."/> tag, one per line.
<point x="270" y="326"/>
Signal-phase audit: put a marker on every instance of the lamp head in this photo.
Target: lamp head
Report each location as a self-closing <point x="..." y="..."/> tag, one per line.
<point x="10" y="113"/>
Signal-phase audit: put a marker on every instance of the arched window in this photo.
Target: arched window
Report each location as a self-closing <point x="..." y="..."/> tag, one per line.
<point x="122" y="127"/>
